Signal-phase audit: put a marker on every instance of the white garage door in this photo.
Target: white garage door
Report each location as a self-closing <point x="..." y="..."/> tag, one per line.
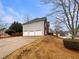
<point x="28" y="34"/>
<point x="25" y="33"/>
<point x="35" y="33"/>
<point x="31" y="34"/>
<point x="38" y="33"/>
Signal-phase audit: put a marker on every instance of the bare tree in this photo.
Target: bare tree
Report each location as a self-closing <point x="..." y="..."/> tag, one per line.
<point x="68" y="12"/>
<point x="57" y="26"/>
<point x="26" y="18"/>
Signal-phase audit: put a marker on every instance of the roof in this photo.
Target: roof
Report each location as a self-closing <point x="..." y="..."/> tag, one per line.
<point x="36" y="20"/>
<point x="2" y="29"/>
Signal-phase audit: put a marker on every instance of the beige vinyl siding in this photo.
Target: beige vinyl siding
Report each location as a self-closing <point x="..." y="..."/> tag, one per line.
<point x="33" y="27"/>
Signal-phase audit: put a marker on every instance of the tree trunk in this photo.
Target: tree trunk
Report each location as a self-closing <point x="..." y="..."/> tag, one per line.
<point x="73" y="36"/>
<point x="56" y="33"/>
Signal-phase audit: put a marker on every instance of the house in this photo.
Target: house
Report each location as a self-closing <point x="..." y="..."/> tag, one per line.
<point x="2" y="33"/>
<point x="36" y="27"/>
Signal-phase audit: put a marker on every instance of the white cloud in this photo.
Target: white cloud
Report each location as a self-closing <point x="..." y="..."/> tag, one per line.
<point x="16" y="16"/>
<point x="9" y="15"/>
<point x="12" y="11"/>
<point x="2" y="12"/>
<point x="7" y="19"/>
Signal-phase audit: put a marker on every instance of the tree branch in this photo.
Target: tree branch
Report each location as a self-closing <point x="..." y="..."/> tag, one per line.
<point x="77" y="18"/>
<point x="65" y="12"/>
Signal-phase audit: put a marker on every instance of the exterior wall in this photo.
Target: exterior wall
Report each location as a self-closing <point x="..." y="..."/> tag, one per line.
<point x="36" y="26"/>
<point x="46" y="27"/>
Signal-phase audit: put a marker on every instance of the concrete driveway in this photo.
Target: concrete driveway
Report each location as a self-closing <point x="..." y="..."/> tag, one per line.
<point x="8" y="45"/>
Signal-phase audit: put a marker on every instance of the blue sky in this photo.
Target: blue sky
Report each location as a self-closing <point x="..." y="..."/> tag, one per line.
<point x="16" y="10"/>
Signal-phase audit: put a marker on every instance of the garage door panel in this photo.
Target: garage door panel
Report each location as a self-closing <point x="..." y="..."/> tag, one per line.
<point x="25" y="33"/>
<point x="35" y="33"/>
<point x="31" y="33"/>
<point x="38" y="33"/>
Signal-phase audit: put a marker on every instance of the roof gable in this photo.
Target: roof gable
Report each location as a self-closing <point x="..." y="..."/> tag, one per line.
<point x="36" y="20"/>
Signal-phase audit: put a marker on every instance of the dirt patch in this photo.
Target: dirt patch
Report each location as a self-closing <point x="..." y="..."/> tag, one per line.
<point x="48" y="47"/>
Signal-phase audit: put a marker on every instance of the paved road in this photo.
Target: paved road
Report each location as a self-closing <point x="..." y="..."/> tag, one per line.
<point x="9" y="45"/>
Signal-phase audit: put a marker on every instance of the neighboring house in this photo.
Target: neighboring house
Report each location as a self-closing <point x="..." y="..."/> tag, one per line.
<point x="68" y="35"/>
<point x="2" y="33"/>
<point x="65" y="34"/>
<point x="77" y="33"/>
<point x="36" y="27"/>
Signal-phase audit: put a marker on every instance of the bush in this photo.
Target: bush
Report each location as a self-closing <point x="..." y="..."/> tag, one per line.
<point x="71" y="44"/>
<point x="15" y="26"/>
<point x="9" y="32"/>
<point x="15" y="29"/>
<point x="16" y="34"/>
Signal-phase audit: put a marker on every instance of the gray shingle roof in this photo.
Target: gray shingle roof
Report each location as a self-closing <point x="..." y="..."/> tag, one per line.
<point x="36" y="20"/>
